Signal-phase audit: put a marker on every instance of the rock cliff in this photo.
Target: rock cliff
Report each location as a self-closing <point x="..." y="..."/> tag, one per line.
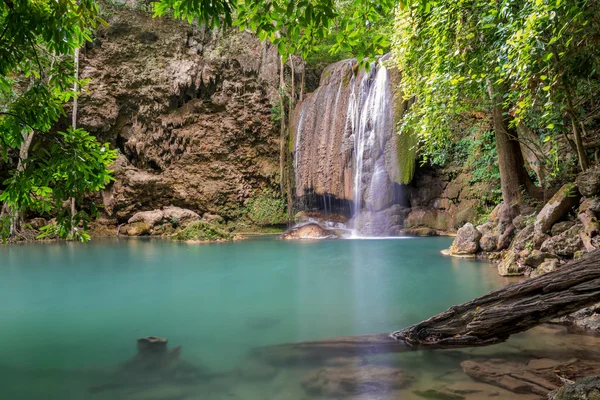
<point x="189" y="110"/>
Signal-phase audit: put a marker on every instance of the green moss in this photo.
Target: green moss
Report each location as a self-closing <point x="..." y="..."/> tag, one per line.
<point x="202" y="231"/>
<point x="406" y="153"/>
<point x="266" y="208"/>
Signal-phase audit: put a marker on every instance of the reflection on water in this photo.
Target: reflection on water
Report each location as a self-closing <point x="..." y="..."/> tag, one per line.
<point x="71" y="314"/>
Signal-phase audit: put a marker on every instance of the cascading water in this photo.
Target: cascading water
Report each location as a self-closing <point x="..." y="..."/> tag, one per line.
<point x="372" y="116"/>
<point x="345" y="148"/>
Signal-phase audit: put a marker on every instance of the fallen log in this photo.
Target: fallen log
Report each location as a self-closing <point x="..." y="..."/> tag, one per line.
<point x="516" y="308"/>
<point x="487" y="320"/>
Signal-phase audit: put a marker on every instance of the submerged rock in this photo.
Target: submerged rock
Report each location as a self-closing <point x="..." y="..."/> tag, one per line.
<point x="309" y="231"/>
<point x="355" y="380"/>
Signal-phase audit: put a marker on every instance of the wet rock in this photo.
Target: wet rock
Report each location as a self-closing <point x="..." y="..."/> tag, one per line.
<point x="348" y="381"/>
<point x="488" y="243"/>
<point x="381" y="223"/>
<point x="466" y="241"/>
<point x="439" y="394"/>
<point x="417" y="232"/>
<point x="561" y="227"/>
<point x="559" y="205"/>
<point x="589" y="182"/>
<point x="587" y="319"/>
<point x="566" y="244"/>
<point x="583" y="389"/>
<point x="309" y="231"/>
<point x="508" y="375"/>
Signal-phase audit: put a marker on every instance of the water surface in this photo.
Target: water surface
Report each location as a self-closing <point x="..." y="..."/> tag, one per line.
<point x="69" y="310"/>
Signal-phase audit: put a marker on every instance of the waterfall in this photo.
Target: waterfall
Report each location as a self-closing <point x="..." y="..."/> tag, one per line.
<point x="372" y="116"/>
<point x="345" y="149"/>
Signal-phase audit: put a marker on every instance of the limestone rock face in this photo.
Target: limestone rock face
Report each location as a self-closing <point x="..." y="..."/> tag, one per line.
<point x="566" y="198"/>
<point x="466" y="241"/>
<point x="589" y="182"/>
<point x="188" y="109"/>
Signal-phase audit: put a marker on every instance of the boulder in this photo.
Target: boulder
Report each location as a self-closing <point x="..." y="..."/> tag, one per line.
<point x="167" y="215"/>
<point x="549" y="265"/>
<point x="537" y="258"/>
<point x="566" y="244"/>
<point x="309" y="231"/>
<point x="583" y="389"/>
<point x="150" y="218"/>
<point x="488" y="243"/>
<point x="556" y="208"/>
<point x="355" y="380"/>
<point x="586" y="319"/>
<point x="561" y="227"/>
<point x="523" y="239"/>
<point x="181" y="215"/>
<point x="589" y="182"/>
<point x="136" y="229"/>
<point x="466" y="241"/>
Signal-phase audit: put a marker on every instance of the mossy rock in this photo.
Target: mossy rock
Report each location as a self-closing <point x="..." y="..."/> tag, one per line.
<point x="203" y="232"/>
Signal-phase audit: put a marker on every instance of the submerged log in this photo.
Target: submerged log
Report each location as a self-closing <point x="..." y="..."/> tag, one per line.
<point x="516" y="308"/>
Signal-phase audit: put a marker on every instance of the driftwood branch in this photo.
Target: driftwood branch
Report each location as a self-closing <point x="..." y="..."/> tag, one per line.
<point x="516" y="308"/>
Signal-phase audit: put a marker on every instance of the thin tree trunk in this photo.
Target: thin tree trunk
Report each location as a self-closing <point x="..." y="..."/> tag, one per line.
<point x="302" y="84"/>
<point x="74" y="125"/>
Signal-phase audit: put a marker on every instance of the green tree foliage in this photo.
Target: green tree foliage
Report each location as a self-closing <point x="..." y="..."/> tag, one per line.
<point x="298" y="27"/>
<point x="539" y="56"/>
<point x="47" y="167"/>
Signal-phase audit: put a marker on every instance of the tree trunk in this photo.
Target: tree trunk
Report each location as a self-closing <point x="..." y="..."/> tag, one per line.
<point x="516" y="308"/>
<point x="74" y="125"/>
<point x="487" y="320"/>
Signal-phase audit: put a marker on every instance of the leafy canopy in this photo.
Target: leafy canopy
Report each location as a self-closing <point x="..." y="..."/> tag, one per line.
<point x="47" y="167"/>
<point x="296" y="27"/>
<point x="532" y="52"/>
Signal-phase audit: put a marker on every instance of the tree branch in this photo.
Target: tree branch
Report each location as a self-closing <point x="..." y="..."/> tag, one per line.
<point x="19" y="118"/>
